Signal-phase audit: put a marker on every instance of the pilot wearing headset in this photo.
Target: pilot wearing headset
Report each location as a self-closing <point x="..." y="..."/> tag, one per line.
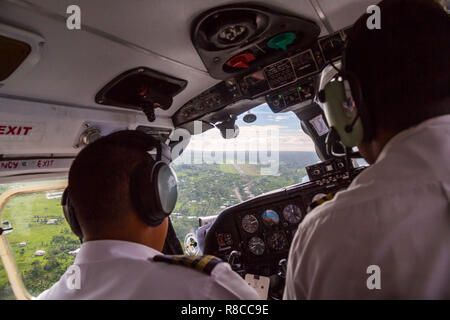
<point x="388" y="235"/>
<point x="118" y="203"/>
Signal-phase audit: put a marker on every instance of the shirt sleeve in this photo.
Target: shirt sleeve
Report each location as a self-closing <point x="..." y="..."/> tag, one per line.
<point x="228" y="285"/>
<point x="42" y="295"/>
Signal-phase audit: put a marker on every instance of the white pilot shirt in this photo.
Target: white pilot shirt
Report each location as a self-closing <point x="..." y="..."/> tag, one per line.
<point x="395" y="215"/>
<point x="112" y="269"/>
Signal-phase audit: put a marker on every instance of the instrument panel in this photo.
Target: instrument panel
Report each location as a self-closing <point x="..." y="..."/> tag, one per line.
<point x="268" y="230"/>
<point x="284" y="83"/>
<point x="261" y="229"/>
<point x="266" y="233"/>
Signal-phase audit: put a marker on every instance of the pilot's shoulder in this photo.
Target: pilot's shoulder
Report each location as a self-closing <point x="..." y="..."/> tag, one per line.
<point x="218" y="280"/>
<point x="204" y="264"/>
<point x="320" y="210"/>
<point x="335" y="208"/>
<point x="328" y="212"/>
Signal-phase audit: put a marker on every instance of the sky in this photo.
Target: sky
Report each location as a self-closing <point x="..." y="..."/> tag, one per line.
<point x="270" y="131"/>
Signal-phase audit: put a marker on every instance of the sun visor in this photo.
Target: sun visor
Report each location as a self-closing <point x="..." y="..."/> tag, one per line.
<point x="141" y="88"/>
<point x="13" y="53"/>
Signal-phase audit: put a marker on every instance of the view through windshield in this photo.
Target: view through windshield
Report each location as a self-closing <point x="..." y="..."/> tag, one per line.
<point x="216" y="173"/>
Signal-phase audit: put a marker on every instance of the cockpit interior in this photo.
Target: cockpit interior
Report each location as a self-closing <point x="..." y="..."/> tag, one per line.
<point x="71" y="73"/>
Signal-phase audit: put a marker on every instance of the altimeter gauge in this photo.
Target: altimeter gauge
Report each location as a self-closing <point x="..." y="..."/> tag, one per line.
<point x="292" y="213"/>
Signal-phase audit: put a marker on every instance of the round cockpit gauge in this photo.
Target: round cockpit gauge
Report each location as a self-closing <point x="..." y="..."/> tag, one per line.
<point x="292" y="213"/>
<point x="277" y="241"/>
<point x="270" y="218"/>
<point x="256" y="246"/>
<point x="250" y="223"/>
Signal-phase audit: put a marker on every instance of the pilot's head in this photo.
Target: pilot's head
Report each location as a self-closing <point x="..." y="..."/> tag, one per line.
<point x="99" y="192"/>
<point x="403" y="68"/>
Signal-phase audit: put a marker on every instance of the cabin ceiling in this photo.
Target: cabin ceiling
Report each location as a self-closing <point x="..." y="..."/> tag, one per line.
<point x="120" y="35"/>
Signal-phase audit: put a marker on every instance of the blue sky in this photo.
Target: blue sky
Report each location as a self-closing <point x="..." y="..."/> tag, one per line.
<point x="272" y="131"/>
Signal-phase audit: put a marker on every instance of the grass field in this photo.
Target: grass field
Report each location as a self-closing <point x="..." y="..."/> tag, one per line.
<point x="250" y="169"/>
<point x="28" y="215"/>
<point x="227" y="168"/>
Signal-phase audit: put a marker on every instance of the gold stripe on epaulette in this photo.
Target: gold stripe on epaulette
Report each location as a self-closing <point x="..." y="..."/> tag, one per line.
<point x="203" y="262"/>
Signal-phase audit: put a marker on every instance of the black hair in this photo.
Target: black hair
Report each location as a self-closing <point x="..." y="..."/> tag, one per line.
<point x="99" y="177"/>
<point x="403" y="68"/>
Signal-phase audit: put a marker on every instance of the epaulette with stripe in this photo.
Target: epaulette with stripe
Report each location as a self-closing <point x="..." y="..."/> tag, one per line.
<point x="204" y="264"/>
<point x="319" y="201"/>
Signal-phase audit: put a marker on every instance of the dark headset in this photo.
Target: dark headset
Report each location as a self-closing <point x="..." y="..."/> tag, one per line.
<point x="346" y="111"/>
<point x="153" y="184"/>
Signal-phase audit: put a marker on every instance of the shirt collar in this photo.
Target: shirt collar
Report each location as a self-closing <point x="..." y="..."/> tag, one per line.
<point x="98" y="250"/>
<point x="400" y="137"/>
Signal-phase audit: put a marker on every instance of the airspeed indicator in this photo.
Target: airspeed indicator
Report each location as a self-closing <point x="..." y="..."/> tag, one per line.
<point x="250" y="223"/>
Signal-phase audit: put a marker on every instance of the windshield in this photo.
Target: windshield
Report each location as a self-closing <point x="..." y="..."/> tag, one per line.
<point x="216" y="173"/>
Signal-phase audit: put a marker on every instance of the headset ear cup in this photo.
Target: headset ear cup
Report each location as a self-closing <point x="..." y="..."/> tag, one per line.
<point x="144" y="196"/>
<point x="341" y="112"/>
<point x="69" y="214"/>
<point x="366" y="119"/>
<point x="165" y="185"/>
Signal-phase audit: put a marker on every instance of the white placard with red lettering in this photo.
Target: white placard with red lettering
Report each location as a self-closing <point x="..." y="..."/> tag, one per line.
<point x="34" y="164"/>
<point x="21" y="131"/>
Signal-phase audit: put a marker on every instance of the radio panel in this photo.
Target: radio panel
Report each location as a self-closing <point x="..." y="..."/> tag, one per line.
<point x="294" y="94"/>
<point x="285" y="83"/>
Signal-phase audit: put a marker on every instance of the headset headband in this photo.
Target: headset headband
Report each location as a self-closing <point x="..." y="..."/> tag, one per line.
<point x="140" y="140"/>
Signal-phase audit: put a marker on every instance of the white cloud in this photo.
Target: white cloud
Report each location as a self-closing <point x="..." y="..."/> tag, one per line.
<point x="262" y="112"/>
<point x="270" y="137"/>
<point x="279" y="118"/>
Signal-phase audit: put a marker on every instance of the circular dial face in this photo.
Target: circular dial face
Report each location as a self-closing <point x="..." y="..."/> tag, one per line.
<point x="292" y="213"/>
<point x="250" y="223"/>
<point x="270" y="218"/>
<point x="256" y="246"/>
<point x="277" y="241"/>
